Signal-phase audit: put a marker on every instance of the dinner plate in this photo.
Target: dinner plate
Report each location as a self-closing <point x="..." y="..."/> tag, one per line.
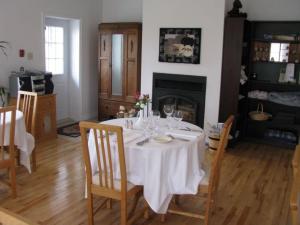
<point x="163" y="139"/>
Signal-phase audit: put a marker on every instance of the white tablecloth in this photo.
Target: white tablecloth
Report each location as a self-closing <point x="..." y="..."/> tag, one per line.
<point x="163" y="169"/>
<point x="23" y="140"/>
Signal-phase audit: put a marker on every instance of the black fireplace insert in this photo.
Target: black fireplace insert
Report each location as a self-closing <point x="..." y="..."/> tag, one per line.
<point x="186" y="92"/>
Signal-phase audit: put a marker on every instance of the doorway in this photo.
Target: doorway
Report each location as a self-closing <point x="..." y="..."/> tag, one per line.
<point x="62" y="45"/>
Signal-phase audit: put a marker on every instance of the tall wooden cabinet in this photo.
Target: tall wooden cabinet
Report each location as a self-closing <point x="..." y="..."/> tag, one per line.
<point x="119" y="66"/>
<point x="235" y="54"/>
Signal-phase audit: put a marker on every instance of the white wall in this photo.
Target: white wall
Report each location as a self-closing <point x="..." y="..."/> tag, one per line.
<point x="21" y="25"/>
<point x="122" y="10"/>
<point x="206" y="14"/>
<point x="269" y="9"/>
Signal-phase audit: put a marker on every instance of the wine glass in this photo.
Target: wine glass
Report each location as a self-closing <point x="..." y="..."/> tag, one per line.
<point x="178" y="116"/>
<point x="168" y="110"/>
<point x="155" y="114"/>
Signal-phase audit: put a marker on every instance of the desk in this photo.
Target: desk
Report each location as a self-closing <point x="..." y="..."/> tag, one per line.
<point x="163" y="169"/>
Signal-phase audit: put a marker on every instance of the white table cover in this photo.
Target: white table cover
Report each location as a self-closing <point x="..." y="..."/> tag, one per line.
<point x="163" y="169"/>
<point x="23" y="140"/>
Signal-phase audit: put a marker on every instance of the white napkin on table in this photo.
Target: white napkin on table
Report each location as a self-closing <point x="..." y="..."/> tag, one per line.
<point x="184" y="133"/>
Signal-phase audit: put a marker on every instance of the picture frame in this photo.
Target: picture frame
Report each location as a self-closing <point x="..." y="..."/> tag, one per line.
<point x="180" y="45"/>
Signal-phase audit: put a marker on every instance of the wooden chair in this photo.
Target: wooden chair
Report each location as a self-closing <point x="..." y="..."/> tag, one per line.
<point x="10" y="218"/>
<point x="27" y="103"/>
<point x="7" y="158"/>
<point x="295" y="192"/>
<point x="209" y="185"/>
<point x="103" y="183"/>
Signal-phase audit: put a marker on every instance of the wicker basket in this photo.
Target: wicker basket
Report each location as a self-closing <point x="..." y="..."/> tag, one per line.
<point x="259" y="114"/>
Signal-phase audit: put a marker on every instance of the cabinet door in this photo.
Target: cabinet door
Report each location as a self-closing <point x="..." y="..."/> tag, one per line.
<point x="132" y="64"/>
<point x="104" y="64"/>
<point x="46" y="118"/>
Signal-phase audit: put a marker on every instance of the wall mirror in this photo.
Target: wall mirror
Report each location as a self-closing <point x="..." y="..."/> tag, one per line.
<point x="117" y="64"/>
<point x="279" y="52"/>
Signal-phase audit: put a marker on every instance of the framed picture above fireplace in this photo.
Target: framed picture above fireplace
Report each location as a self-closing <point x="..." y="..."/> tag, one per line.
<point x="180" y="45"/>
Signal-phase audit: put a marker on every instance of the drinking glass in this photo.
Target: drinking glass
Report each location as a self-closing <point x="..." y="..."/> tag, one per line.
<point x="155" y="114"/>
<point x="177" y="116"/>
<point x="168" y="110"/>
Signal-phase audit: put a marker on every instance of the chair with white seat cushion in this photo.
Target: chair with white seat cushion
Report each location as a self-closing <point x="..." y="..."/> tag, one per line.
<point x="7" y="158"/>
<point x="104" y="183"/>
<point x="27" y="103"/>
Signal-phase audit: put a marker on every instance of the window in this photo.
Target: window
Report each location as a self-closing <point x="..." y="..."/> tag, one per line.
<point x="54" y="49"/>
<point x="279" y="52"/>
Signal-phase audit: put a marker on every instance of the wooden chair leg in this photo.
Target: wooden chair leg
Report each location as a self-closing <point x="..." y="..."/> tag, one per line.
<point x="33" y="157"/>
<point x="123" y="212"/>
<point x="90" y="209"/>
<point x="17" y="152"/>
<point x="162" y="218"/>
<point x="146" y="212"/>
<point x="13" y="181"/>
<point x="109" y="203"/>
<point x="176" y="199"/>
<point x="134" y="204"/>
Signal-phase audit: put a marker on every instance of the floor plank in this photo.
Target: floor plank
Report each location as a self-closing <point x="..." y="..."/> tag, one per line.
<point x="254" y="188"/>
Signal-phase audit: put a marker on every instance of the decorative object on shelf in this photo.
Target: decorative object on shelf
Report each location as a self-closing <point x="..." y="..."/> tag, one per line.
<point x="3" y="47"/>
<point x="253" y="76"/>
<point x="235" y="12"/>
<point x="259" y="114"/>
<point x="3" y="96"/>
<point x="243" y="78"/>
<point x="180" y="45"/>
<point x="122" y="111"/>
<point x="290" y="72"/>
<point x="282" y="76"/>
<point x="131" y="113"/>
<point x="261" y="51"/>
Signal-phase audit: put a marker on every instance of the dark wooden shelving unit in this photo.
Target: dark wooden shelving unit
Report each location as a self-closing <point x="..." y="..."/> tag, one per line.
<point x="267" y="79"/>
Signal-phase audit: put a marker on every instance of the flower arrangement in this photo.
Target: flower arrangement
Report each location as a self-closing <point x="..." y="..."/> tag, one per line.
<point x="142" y="101"/>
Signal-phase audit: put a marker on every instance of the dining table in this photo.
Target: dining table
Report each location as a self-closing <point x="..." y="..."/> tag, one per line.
<point x="163" y="167"/>
<point x="24" y="141"/>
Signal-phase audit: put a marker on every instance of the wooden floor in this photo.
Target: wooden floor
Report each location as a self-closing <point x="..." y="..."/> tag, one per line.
<point x="254" y="188"/>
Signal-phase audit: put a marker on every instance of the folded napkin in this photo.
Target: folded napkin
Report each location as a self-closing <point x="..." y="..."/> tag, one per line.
<point x="184" y="133"/>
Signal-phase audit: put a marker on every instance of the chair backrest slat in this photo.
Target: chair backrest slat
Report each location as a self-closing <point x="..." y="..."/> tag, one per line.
<point x="27" y="103"/>
<point x="109" y="160"/>
<point x="105" y="148"/>
<point x="3" y="116"/>
<point x="103" y="159"/>
<point x="98" y="156"/>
